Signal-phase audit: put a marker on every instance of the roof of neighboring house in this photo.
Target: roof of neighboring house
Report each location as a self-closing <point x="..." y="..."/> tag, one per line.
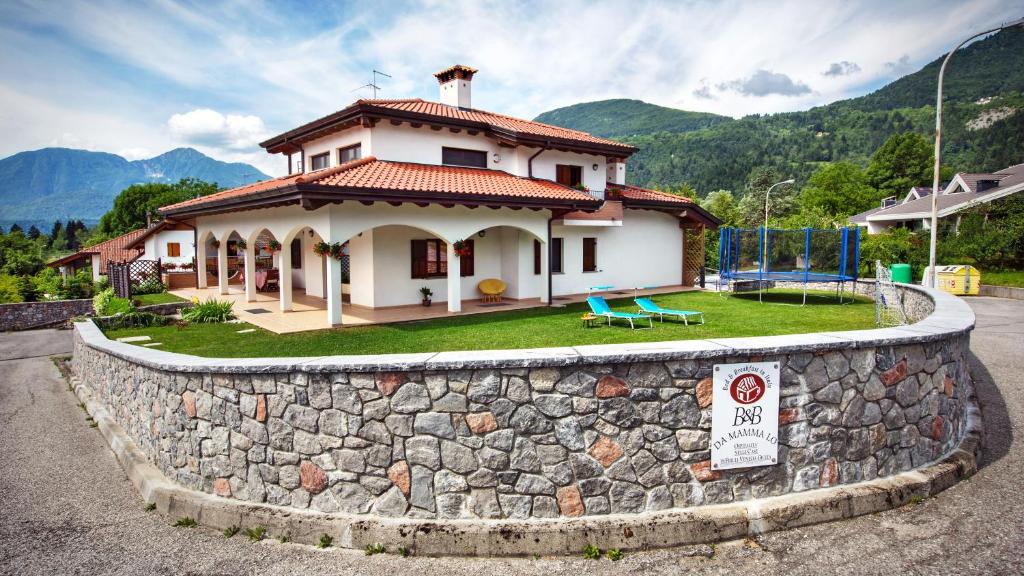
<point x="416" y="110"/>
<point x="962" y="192"/>
<point x="113" y="250"/>
<point x="370" y="179"/>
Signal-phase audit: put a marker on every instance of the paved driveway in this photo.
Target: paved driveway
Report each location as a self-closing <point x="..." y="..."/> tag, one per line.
<point x="66" y="507"/>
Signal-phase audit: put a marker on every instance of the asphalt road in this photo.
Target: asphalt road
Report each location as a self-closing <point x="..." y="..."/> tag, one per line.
<point x="66" y="507"/>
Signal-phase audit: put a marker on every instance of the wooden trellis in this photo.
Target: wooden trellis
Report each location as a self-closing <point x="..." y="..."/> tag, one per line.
<point x="693" y="255"/>
<point x="126" y="276"/>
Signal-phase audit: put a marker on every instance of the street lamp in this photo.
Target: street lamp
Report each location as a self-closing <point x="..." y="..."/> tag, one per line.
<point x="938" y="148"/>
<point x="764" y="240"/>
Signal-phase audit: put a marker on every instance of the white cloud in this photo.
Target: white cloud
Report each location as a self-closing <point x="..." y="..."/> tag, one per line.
<point x="205" y="127"/>
<point x="136" y="153"/>
<point x="766" y="82"/>
<point x="843" y="68"/>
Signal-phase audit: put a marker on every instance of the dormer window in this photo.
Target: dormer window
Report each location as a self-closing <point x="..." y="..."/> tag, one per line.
<point x="320" y="161"/>
<point x="463" y="157"/>
<point x="350" y="153"/>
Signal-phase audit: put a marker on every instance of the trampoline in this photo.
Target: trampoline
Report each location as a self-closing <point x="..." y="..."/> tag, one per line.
<point x="763" y="256"/>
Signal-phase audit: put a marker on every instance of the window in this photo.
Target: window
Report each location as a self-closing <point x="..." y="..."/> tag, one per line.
<point x="296" y="249"/>
<point x="320" y="161"/>
<point x="556" y="255"/>
<point x="590" y="254"/>
<point x="568" y="175"/>
<point x="460" y="157"/>
<point x="430" y="259"/>
<point x="536" y="256"/>
<point x="350" y="153"/>
<point x="173" y="249"/>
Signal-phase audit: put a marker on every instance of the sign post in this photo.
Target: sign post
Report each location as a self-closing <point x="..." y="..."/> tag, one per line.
<point x="745" y="415"/>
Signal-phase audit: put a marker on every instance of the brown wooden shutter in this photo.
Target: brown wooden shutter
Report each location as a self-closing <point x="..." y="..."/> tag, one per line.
<point x="467" y="263"/>
<point x="536" y="256"/>
<point x="419" y="258"/>
<point x="589" y="254"/>
<point x="563" y="174"/>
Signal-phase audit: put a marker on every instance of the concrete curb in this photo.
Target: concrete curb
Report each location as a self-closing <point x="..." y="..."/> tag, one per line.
<point x="1002" y="292"/>
<point x="675" y="527"/>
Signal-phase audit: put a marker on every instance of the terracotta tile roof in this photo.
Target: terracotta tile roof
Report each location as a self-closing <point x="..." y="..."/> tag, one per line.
<point x="630" y="192"/>
<point x="610" y="210"/>
<point x="415" y="181"/>
<point x="113" y="250"/>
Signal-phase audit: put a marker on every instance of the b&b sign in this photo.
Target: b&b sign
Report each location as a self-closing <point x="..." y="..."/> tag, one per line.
<point x="745" y="415"/>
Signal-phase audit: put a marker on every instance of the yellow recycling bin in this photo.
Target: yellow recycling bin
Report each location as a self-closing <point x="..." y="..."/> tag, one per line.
<point x="960" y="280"/>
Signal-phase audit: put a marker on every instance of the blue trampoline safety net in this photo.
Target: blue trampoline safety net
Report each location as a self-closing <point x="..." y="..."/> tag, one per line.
<point x="800" y="255"/>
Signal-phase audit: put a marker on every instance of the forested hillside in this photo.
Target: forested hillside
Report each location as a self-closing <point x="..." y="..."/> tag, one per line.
<point x="983" y="125"/>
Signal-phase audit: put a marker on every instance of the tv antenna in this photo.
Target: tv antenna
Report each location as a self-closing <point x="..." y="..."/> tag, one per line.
<point x="373" y="84"/>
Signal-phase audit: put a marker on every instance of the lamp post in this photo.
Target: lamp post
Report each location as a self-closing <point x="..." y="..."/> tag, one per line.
<point x="932" y="281"/>
<point x="764" y="240"/>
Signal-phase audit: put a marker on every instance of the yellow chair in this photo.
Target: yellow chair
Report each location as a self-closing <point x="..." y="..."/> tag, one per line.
<point x="492" y="289"/>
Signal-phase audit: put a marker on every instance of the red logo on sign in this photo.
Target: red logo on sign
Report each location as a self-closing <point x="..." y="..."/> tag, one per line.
<point x="747" y="388"/>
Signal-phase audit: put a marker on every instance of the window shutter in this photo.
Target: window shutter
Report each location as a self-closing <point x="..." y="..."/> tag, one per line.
<point x="536" y="256"/>
<point x="467" y="263"/>
<point x="589" y="254"/>
<point x="419" y="258"/>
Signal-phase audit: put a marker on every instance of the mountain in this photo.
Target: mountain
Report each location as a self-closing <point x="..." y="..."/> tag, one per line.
<point x="41" y="186"/>
<point x="622" y="117"/>
<point x="983" y="125"/>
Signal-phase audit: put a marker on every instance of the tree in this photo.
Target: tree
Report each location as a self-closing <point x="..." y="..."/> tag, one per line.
<point x="837" y="191"/>
<point x="782" y="202"/>
<point x="20" y="256"/>
<point x="16" y="228"/>
<point x="139" y="201"/>
<point x="722" y="204"/>
<point x="904" y="161"/>
<point x="55" y="231"/>
<point x="33" y="232"/>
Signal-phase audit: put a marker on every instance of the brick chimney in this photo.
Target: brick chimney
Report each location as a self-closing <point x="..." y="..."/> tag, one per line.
<point x="456" y="83"/>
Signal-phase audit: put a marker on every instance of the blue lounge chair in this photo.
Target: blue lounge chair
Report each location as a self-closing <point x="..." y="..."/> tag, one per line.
<point x="600" y="308"/>
<point x="648" y="306"/>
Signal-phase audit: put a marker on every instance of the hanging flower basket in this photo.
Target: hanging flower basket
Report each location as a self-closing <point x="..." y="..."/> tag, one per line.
<point x="461" y="248"/>
<point x="241" y="245"/>
<point x="274" y="245"/>
<point x="215" y="243"/>
<point x="337" y="251"/>
<point x="321" y="248"/>
<point x="334" y="250"/>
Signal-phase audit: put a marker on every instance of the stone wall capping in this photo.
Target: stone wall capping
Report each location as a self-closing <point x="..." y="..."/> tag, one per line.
<point x="950" y="316"/>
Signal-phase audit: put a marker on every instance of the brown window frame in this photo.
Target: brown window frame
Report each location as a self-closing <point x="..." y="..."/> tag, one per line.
<point x="569" y="174"/>
<point x="326" y="157"/>
<point x="296" y="251"/>
<point x="557" y="259"/>
<point x="421" y="267"/>
<point x="358" y="147"/>
<point x="482" y="156"/>
<point x="176" y="251"/>
<point x="590" y="244"/>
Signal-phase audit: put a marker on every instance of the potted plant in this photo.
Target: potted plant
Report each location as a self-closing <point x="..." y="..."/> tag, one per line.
<point x="274" y="245"/>
<point x="582" y="188"/>
<point x="427" y="293"/>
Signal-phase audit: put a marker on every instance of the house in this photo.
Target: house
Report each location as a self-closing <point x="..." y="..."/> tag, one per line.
<point x="170" y="242"/>
<point x="965" y="190"/>
<point x="386" y="197"/>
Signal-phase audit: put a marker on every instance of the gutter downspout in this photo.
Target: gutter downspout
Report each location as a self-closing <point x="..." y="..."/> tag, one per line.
<point x="529" y="164"/>
<point x="551" y="252"/>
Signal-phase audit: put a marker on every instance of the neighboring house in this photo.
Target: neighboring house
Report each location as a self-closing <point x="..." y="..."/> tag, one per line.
<point x="169" y="242"/>
<point x="965" y="190"/>
<point x="395" y="184"/>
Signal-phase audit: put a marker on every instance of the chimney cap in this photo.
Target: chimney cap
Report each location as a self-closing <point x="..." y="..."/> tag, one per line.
<point x="456" y="71"/>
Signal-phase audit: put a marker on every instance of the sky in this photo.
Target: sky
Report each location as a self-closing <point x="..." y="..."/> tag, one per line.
<point x="139" y="78"/>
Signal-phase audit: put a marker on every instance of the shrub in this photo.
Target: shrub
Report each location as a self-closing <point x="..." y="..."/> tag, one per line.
<point x="81" y="286"/>
<point x="9" y="292"/>
<point x="107" y="304"/>
<point x="211" y="310"/>
<point x="149" y="286"/>
<point x="132" y="319"/>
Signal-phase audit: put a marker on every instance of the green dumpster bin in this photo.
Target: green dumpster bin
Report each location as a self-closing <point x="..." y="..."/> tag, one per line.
<point x="901" y="273"/>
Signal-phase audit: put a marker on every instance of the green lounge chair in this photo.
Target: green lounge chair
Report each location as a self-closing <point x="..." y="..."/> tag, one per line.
<point x="600" y="308"/>
<point x="648" y="306"/>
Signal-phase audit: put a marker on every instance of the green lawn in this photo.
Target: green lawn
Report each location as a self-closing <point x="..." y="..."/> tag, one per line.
<point x="158" y="298"/>
<point x="539" y="327"/>
<point x="1008" y="278"/>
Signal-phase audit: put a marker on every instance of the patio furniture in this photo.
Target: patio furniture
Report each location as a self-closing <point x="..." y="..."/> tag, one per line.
<point x="599" y="307"/>
<point x="648" y="306"/>
<point x="589" y="319"/>
<point x="273" y="283"/>
<point x="492" y="289"/>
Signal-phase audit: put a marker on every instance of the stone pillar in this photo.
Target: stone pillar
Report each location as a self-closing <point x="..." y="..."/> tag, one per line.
<point x="201" y="264"/>
<point x="333" y="291"/>
<point x="545" y="289"/>
<point x="222" y="266"/>
<point x="454" y="281"/>
<point x="284" y="267"/>
<point x="250" y="273"/>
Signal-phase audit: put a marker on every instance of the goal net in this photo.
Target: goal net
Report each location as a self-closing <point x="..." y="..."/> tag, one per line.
<point x="888" y="305"/>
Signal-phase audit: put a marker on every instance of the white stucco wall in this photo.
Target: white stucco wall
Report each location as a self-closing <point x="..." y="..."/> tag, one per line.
<point x="156" y="246"/>
<point x="331" y="143"/>
<point x="646" y="250"/>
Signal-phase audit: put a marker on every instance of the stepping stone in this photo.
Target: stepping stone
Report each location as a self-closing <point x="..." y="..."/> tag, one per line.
<point x="134" y="339"/>
<point x="246" y="331"/>
<point x="151" y="344"/>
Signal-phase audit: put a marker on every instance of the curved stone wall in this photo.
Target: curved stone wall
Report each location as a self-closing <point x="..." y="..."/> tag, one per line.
<point x="582" y="431"/>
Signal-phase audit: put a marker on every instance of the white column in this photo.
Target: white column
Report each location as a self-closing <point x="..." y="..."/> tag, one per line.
<point x="201" y="264"/>
<point x="333" y="290"/>
<point x="545" y="288"/>
<point x="284" y="272"/>
<point x="454" y="281"/>
<point x="222" y="267"/>
<point x="250" y="273"/>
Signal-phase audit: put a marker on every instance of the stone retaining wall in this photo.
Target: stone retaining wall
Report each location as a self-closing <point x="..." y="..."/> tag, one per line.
<point x="27" y="315"/>
<point x="590" y="430"/>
